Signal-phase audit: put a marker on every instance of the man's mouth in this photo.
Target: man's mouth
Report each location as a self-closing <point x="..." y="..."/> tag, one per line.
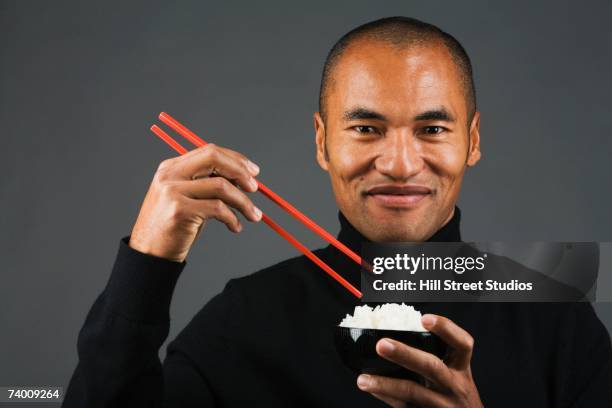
<point x="393" y="195"/>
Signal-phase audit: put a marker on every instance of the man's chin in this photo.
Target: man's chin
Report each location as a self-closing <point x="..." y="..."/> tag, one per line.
<point x="399" y="228"/>
<point x="399" y="236"/>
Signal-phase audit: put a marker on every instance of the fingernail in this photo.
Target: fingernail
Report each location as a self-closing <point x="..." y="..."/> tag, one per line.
<point x="253" y="167"/>
<point x="258" y="213"/>
<point x="363" y="381"/>
<point x="386" y="346"/>
<point x="253" y="184"/>
<point x="428" y="320"/>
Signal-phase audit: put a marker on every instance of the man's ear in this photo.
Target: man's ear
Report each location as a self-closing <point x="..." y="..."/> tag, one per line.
<point x="319" y="126"/>
<point x="474" y="153"/>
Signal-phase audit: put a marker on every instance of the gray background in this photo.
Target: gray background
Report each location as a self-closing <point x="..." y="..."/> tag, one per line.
<point x="80" y="84"/>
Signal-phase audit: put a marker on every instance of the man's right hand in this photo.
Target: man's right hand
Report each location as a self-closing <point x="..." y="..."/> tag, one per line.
<point x="188" y="190"/>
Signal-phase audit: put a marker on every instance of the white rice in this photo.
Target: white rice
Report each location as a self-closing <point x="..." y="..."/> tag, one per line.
<point x="389" y="316"/>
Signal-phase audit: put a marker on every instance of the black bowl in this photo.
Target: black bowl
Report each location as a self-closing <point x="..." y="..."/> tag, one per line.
<point x="357" y="350"/>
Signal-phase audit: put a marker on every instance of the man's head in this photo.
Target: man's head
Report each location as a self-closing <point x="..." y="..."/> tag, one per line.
<point x="397" y="126"/>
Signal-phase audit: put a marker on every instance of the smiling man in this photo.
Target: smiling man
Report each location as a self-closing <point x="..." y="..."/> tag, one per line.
<point x="396" y="130"/>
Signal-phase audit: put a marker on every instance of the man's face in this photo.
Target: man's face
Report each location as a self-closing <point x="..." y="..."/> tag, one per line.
<point x="397" y="138"/>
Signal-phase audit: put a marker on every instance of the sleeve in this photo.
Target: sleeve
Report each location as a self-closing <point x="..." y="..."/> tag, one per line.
<point x="118" y="345"/>
<point x="584" y="375"/>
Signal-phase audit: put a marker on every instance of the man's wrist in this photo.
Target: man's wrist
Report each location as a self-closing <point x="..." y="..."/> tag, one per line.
<point x="150" y="249"/>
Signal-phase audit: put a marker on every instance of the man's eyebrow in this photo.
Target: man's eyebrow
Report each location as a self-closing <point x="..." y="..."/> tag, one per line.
<point x="435" y="114"/>
<point x="363" y="113"/>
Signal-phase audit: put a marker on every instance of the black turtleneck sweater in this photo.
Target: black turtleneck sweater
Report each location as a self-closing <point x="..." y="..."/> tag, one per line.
<point x="267" y="340"/>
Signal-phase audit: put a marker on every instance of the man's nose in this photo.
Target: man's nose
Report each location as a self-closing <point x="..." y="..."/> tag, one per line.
<point x="400" y="156"/>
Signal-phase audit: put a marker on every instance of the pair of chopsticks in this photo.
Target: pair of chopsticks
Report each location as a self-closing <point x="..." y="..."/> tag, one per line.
<point x="197" y="141"/>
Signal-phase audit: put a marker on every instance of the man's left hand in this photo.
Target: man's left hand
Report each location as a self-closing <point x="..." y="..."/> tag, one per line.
<point x="452" y="382"/>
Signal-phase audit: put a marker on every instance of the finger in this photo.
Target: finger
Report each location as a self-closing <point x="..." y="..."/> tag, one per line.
<point x="402" y="390"/>
<point x="223" y="189"/>
<point x="209" y="159"/>
<point x="252" y="167"/>
<point x="392" y="402"/>
<point x="419" y="361"/>
<point x="217" y="209"/>
<point x="459" y="340"/>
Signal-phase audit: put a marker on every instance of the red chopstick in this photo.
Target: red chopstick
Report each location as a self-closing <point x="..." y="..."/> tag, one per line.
<point x="193" y="138"/>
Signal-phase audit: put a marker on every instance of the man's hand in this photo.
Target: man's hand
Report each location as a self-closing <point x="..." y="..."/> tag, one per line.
<point x="186" y="191"/>
<point x="453" y="385"/>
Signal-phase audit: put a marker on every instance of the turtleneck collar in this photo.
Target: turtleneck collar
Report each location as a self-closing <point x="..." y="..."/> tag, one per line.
<point x="352" y="238"/>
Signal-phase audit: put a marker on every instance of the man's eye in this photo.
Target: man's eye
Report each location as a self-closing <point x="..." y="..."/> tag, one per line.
<point x="433" y="130"/>
<point x="365" y="129"/>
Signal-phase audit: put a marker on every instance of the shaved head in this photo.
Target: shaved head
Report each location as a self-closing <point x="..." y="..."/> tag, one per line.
<point x="401" y="32"/>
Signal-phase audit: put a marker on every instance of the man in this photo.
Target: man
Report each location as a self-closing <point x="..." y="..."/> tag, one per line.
<point x="396" y="129"/>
